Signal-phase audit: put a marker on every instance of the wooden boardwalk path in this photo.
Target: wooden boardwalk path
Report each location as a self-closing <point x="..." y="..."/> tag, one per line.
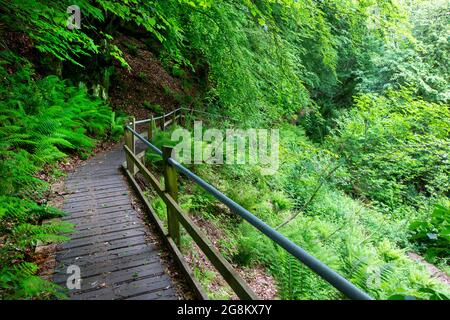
<point x="110" y="245"/>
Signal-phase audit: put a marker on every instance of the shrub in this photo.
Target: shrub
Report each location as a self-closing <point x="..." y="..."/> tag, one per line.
<point x="41" y="122"/>
<point x="395" y="148"/>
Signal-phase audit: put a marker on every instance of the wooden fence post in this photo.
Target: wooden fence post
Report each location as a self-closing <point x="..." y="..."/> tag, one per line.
<point x="174" y="119"/>
<point x="187" y="118"/>
<point x="171" y="185"/>
<point x="183" y="117"/>
<point x="150" y="128"/>
<point x="163" y="122"/>
<point x="130" y="143"/>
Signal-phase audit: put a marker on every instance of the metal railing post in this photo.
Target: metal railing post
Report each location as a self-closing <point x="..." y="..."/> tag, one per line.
<point x="171" y="186"/>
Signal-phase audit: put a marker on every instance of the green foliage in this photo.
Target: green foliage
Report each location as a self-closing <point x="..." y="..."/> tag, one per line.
<point x="296" y="281"/>
<point x="421" y="60"/>
<point x="362" y="243"/>
<point x="160" y="139"/>
<point x="20" y="282"/>
<point x="21" y="229"/>
<point x="266" y="62"/>
<point x="336" y="68"/>
<point x="131" y="47"/>
<point x="255" y="54"/>
<point x="395" y="149"/>
<point x="156" y="108"/>
<point x="41" y="122"/>
<point x="45" y="22"/>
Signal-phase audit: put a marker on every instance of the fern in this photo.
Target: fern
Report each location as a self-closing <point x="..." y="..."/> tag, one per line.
<point x="41" y="122"/>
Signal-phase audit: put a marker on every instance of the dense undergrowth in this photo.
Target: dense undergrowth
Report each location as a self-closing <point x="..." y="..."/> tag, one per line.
<point x="41" y="122"/>
<point x="308" y="201"/>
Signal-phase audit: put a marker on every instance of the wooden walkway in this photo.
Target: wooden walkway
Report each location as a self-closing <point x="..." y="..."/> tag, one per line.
<point x="110" y="245"/>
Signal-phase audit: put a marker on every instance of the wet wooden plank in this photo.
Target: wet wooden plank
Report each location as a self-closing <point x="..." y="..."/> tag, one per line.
<point x="97" y="195"/>
<point x="89" y="222"/>
<point x="168" y="294"/>
<point x="126" y="290"/>
<point x="88" y="212"/>
<point x="103" y="230"/>
<point x="99" y="257"/>
<point x="145" y="260"/>
<point x="87" y="189"/>
<point x="97" y="204"/>
<point x="100" y="238"/>
<point x="101" y="247"/>
<point x="99" y="192"/>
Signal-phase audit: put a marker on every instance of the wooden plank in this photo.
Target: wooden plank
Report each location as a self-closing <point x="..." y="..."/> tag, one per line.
<point x="91" y="216"/>
<point x="97" y="196"/>
<point x="97" y="203"/>
<point x="102" y="247"/>
<point x="86" y="223"/>
<point x="126" y="290"/>
<point x="94" y="186"/>
<point x="103" y="259"/>
<point x="81" y="212"/>
<point x="118" y="277"/>
<point x="129" y="141"/>
<point x="104" y="175"/>
<point x="104" y="229"/>
<point x="83" y="172"/>
<point x="96" y="183"/>
<point x="99" y="192"/>
<point x="97" y="258"/>
<point x="100" y="238"/>
<point x="117" y="266"/>
<point x="151" y="128"/>
<point x="168" y="294"/>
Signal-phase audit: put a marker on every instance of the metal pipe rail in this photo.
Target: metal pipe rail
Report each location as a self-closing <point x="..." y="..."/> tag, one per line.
<point x="328" y="274"/>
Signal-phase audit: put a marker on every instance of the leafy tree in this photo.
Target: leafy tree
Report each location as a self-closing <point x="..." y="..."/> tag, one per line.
<point x="395" y="147"/>
<point x="420" y="60"/>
